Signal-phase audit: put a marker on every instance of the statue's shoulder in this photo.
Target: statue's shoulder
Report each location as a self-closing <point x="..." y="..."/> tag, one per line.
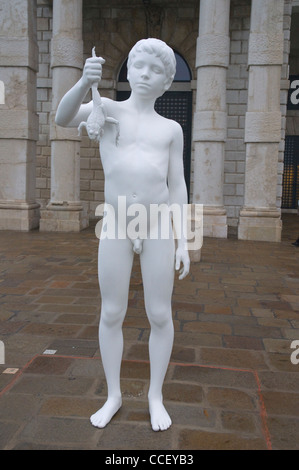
<point x="173" y="125"/>
<point x="108" y="103"/>
<point x="112" y="107"/>
<point x="171" y="128"/>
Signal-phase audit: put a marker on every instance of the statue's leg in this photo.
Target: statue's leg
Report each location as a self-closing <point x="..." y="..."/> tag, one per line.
<point x="157" y="264"/>
<point x="114" y="270"/>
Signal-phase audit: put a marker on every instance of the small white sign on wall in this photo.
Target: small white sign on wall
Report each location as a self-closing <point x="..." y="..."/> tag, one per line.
<point x="2" y="92"/>
<point x="2" y="353"/>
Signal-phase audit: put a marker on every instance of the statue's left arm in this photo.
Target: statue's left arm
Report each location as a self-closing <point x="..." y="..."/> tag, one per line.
<point x="179" y="198"/>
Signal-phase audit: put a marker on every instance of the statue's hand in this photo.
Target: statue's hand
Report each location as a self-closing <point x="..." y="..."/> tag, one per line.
<point x="182" y="256"/>
<point x="92" y="72"/>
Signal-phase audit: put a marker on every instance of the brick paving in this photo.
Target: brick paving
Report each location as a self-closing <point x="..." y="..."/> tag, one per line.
<point x="230" y="384"/>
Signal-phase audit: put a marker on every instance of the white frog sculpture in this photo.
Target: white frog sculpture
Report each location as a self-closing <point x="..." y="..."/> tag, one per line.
<point x="98" y="116"/>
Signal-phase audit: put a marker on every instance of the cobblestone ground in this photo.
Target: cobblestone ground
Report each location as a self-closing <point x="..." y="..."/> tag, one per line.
<point x="230" y="384"/>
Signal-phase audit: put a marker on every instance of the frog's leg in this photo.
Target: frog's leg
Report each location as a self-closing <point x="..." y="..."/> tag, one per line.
<point x="114" y="121"/>
<point x="82" y="124"/>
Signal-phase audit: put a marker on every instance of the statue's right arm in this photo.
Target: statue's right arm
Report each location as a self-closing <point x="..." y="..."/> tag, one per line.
<point x="71" y="112"/>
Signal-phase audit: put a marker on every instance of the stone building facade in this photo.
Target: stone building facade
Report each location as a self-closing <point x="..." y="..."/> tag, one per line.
<point x="240" y="55"/>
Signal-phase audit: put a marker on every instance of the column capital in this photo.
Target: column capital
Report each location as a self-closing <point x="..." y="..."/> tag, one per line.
<point x="263" y="126"/>
<point x="66" y="52"/>
<point x="212" y="50"/>
<point x="213" y="40"/>
<point x="265" y="48"/>
<point x="266" y="33"/>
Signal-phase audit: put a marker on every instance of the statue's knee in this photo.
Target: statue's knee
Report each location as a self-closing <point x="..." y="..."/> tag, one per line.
<point x="160" y="318"/>
<point x="112" y="315"/>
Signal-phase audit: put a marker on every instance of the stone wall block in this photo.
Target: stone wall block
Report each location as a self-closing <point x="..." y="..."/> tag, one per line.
<point x="18" y="124"/>
<point x="17" y="157"/>
<point x="15" y="52"/>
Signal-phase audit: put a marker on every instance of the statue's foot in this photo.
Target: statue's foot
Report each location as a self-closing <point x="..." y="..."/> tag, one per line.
<point x="160" y="419"/>
<point x="102" y="417"/>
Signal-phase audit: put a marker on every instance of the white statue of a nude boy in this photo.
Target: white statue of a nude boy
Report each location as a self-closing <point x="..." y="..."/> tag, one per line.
<point x="146" y="166"/>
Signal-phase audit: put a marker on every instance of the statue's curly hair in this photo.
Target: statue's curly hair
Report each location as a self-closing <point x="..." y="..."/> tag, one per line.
<point x="161" y="50"/>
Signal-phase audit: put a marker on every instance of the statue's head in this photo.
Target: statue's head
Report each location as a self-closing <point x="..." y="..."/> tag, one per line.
<point x="161" y="50"/>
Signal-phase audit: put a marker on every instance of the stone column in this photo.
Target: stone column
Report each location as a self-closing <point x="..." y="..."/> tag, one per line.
<point x="65" y="211"/>
<point x="260" y="218"/>
<point x="18" y="118"/>
<point x="210" y="119"/>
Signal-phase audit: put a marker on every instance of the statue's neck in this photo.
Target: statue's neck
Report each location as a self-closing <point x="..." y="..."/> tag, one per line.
<point x="143" y="105"/>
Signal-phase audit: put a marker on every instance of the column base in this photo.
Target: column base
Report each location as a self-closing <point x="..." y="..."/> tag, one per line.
<point x="260" y="225"/>
<point x="195" y="231"/>
<point x="214" y="222"/>
<point x="195" y="255"/>
<point x="64" y="218"/>
<point x="19" y="216"/>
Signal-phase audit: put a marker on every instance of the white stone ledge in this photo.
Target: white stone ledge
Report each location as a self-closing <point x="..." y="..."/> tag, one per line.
<point x="18" y="205"/>
<point x="260" y="212"/>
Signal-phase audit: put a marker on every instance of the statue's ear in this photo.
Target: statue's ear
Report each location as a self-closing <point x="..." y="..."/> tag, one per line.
<point x="168" y="83"/>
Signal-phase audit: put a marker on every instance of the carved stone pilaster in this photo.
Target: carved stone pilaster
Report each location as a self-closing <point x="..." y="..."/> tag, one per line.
<point x="65" y="212"/>
<point x="259" y="217"/>
<point x="210" y="118"/>
<point x="18" y="117"/>
<point x="154" y="20"/>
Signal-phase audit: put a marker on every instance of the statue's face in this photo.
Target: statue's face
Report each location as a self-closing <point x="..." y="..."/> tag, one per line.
<point x="147" y="76"/>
